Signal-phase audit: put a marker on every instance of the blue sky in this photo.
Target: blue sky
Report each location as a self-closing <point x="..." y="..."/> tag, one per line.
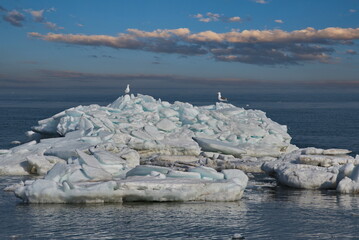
<point x="161" y="43"/>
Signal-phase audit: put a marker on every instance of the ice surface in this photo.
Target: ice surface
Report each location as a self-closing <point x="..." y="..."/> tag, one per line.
<point x="85" y="181"/>
<point x="219" y="146"/>
<point x="350" y="182"/>
<point x="320" y="171"/>
<point x="148" y="124"/>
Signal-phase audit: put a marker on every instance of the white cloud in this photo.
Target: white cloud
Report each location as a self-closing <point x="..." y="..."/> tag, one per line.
<point x="234" y="19"/>
<point x="38" y="15"/>
<point x="215" y="17"/>
<point x="260" y="1"/>
<point x="278" y="21"/>
<point x="268" y="47"/>
<point x="52" y="26"/>
<point x="352" y="10"/>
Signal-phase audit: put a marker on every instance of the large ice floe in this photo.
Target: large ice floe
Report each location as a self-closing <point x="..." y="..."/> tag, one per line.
<point x="100" y="176"/>
<point x="313" y="168"/>
<point x="136" y="129"/>
<point x="141" y="149"/>
<point x="152" y="128"/>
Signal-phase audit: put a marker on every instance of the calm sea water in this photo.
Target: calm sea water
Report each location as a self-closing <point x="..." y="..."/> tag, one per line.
<point x="325" y="118"/>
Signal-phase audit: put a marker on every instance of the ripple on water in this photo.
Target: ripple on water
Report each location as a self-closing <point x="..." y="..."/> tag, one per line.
<point x="265" y="212"/>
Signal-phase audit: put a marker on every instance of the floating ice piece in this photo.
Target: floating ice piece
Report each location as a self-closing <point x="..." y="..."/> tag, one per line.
<point x="336" y="151"/>
<point x="313" y="151"/>
<point x="325" y="160"/>
<point x="208" y="173"/>
<point x="218" y="146"/>
<point x="180" y="174"/>
<point x="40" y="164"/>
<point x="323" y="171"/>
<point x="84" y="181"/>
<point x="350" y="184"/>
<point x="145" y="188"/>
<point x="306" y="176"/>
<point x="144" y="170"/>
<point x="166" y="125"/>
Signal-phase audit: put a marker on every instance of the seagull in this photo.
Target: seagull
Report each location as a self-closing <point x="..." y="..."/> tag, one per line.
<point x="127" y="90"/>
<point x="220" y="98"/>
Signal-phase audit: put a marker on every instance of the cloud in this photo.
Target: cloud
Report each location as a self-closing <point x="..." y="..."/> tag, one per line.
<point x="79" y="25"/>
<point x="52" y="9"/>
<point x="261" y="47"/>
<point x="38" y="16"/>
<point x="52" y="26"/>
<point x="215" y="17"/>
<point x="260" y="1"/>
<point x="15" y="18"/>
<point x="162" y="41"/>
<point x="351" y="52"/>
<point x="352" y="10"/>
<point x="278" y="21"/>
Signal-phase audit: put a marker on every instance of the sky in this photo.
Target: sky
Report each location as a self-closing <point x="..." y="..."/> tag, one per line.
<point x="168" y="43"/>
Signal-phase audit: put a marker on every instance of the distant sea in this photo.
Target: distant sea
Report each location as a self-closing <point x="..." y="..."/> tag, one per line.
<point x="322" y="117"/>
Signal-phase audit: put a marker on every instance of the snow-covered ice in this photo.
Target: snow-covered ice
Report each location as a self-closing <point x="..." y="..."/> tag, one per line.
<point x="88" y="180"/>
<point x="150" y="128"/>
<point x="312" y="168"/>
<point x="187" y="153"/>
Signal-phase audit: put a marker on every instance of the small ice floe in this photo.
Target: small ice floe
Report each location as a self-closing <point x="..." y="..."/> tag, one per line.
<point x="16" y="142"/>
<point x="88" y="179"/>
<point x="313" y="168"/>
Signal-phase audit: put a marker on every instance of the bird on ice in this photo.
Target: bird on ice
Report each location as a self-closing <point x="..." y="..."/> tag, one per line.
<point x="127" y="90"/>
<point x="220" y="98"/>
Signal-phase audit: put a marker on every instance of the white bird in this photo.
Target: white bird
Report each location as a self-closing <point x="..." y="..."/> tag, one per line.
<point x="220" y="98"/>
<point x="127" y="90"/>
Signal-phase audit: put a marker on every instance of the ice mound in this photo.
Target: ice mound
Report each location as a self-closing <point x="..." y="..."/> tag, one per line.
<point x="155" y="126"/>
<point x="100" y="177"/>
<point x="313" y="168"/>
<point x="150" y="127"/>
<point x="214" y="160"/>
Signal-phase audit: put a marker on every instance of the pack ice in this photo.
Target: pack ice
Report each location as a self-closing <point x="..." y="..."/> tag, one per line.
<point x="314" y="168"/>
<point x="150" y="127"/>
<point x="100" y="176"/>
<point x="134" y="127"/>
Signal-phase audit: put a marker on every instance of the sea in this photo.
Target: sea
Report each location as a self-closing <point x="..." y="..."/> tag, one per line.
<point x="316" y="116"/>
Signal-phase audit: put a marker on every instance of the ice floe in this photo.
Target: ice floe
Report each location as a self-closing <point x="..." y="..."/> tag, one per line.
<point x="88" y="179"/>
<point x="93" y="154"/>
<point x="312" y="168"/>
<point x="150" y="127"/>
